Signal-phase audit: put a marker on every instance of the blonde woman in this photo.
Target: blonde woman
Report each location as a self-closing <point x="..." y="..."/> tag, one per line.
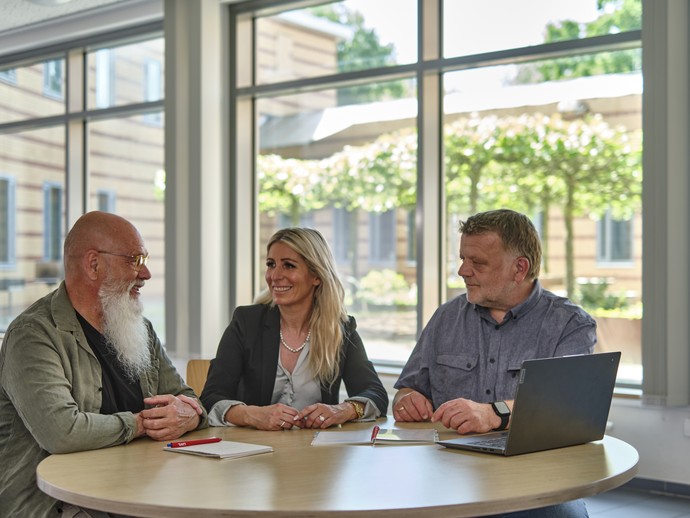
<point x="281" y="361"/>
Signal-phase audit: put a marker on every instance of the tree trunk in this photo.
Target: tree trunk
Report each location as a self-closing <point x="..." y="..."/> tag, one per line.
<point x="569" y="256"/>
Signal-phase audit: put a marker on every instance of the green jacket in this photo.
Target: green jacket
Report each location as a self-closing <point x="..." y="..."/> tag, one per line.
<point x="50" y="399"/>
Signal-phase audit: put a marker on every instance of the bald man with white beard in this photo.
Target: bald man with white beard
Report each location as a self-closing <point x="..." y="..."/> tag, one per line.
<point x="82" y="369"/>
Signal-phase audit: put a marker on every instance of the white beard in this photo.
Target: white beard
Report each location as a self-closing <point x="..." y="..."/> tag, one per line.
<point x="124" y="327"/>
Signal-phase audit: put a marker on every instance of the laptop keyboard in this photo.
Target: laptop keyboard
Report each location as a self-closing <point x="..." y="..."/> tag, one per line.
<point x="495" y="442"/>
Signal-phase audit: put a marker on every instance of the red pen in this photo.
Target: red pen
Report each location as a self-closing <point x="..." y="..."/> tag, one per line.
<point x="374" y="433"/>
<point x="193" y="442"/>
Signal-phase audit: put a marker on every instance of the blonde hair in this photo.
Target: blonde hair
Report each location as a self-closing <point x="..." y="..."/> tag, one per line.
<point x="329" y="315"/>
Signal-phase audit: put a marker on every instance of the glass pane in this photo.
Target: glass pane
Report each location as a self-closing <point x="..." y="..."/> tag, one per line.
<point x="565" y="152"/>
<point x="336" y="37"/>
<point x="530" y="22"/>
<point x="31" y="164"/>
<point x="352" y="176"/>
<point x="126" y="174"/>
<point x="35" y="90"/>
<point x="126" y="74"/>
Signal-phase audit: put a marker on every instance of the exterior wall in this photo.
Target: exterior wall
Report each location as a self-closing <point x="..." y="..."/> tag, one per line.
<point x="285" y="52"/>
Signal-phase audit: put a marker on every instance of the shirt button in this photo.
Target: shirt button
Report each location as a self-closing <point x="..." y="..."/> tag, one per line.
<point x="497" y="326"/>
<point x="488" y="391"/>
<point x="469" y="366"/>
<point x="491" y="360"/>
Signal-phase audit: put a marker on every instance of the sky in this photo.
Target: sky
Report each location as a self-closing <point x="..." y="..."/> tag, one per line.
<point x="472" y="25"/>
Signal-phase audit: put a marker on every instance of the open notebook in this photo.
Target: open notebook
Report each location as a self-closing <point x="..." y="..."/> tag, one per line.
<point x="375" y="436"/>
<point x="559" y="402"/>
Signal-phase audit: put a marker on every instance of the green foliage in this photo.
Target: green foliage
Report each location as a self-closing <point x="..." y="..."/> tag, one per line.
<point x="376" y="178"/>
<point x="472" y="145"/>
<point x="594" y="296"/>
<point x="632" y="311"/>
<point x="363" y="51"/>
<point x="386" y="288"/>
<point x="533" y="162"/>
<point x="289" y="186"/>
<point x="528" y="163"/>
<point x="615" y="16"/>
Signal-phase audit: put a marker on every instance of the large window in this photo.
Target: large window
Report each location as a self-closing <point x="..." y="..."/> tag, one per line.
<point x="117" y="152"/>
<point x="534" y="111"/>
<point x="125" y="157"/>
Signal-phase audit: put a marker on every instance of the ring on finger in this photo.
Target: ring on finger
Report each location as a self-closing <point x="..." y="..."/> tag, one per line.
<point x="282" y="423"/>
<point x="322" y="418"/>
<point x="401" y="409"/>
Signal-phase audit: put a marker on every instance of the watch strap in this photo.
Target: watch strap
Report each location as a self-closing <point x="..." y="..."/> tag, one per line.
<point x="505" y="417"/>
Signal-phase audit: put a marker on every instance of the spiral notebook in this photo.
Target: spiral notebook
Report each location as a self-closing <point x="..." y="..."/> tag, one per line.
<point x="559" y="402"/>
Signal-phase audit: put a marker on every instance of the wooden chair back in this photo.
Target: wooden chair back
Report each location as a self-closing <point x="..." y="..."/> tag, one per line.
<point x="197" y="370"/>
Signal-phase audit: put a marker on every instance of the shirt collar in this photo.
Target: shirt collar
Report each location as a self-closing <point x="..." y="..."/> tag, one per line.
<point x="526" y="305"/>
<point x="521" y="309"/>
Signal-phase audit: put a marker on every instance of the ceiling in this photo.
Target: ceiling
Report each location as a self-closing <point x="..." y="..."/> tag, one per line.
<point x="21" y="13"/>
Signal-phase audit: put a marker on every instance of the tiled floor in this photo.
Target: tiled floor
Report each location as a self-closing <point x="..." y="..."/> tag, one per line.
<point x="628" y="503"/>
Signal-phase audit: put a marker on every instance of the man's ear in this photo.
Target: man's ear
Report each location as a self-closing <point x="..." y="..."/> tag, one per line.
<point x="522" y="268"/>
<point x="92" y="264"/>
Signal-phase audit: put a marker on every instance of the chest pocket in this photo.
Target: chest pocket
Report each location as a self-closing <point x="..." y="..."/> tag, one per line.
<point x="453" y="371"/>
<point x="463" y="362"/>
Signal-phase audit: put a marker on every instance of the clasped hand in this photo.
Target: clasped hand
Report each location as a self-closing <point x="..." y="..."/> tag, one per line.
<point x="284" y="417"/>
<point x="168" y="417"/>
<point x="463" y="415"/>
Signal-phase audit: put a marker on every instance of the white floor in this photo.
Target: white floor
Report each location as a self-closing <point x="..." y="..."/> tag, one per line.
<point x="627" y="503"/>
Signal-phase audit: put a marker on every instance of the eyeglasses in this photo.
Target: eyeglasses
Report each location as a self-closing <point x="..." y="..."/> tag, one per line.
<point x="137" y="261"/>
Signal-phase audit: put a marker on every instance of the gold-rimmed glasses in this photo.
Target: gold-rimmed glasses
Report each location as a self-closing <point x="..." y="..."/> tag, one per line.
<point x="137" y="261"/>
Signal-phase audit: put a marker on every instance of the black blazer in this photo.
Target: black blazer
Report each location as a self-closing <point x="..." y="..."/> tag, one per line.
<point x="247" y="358"/>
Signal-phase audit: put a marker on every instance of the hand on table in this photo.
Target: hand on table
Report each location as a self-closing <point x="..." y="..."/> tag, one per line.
<point x="271" y="417"/>
<point x="169" y="416"/>
<point x="320" y="415"/>
<point x="412" y="407"/>
<point x="466" y="416"/>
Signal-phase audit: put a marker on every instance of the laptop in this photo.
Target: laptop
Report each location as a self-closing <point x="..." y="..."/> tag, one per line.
<point x="559" y="402"/>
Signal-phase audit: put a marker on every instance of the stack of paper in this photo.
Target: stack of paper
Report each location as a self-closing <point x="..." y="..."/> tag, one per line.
<point x="390" y="435"/>
<point x="223" y="449"/>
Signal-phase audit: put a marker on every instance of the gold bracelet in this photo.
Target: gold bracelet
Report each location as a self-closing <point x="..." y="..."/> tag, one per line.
<point x="359" y="408"/>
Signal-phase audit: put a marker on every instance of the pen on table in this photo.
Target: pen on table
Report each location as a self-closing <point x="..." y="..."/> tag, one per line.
<point x="374" y="433"/>
<point x="193" y="442"/>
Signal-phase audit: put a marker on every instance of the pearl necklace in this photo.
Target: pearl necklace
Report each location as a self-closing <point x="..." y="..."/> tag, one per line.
<point x="282" y="341"/>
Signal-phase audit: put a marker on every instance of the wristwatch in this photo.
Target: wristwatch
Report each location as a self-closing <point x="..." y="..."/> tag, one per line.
<point x="503" y="412"/>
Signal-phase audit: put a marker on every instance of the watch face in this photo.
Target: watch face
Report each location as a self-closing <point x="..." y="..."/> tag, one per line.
<point x="501" y="408"/>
